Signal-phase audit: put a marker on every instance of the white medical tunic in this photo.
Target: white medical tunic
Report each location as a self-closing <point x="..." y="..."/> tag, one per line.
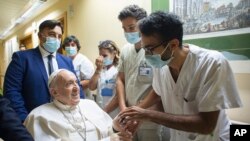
<point x="57" y="122"/>
<point x="137" y="83"/>
<point x="206" y="83"/>
<point x="84" y="68"/>
<point x="106" y="88"/>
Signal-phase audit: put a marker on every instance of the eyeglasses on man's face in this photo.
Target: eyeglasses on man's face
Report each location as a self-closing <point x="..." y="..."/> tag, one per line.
<point x="150" y="49"/>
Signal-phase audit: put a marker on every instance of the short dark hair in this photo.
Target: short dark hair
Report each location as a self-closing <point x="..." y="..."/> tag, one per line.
<point x="132" y="11"/>
<point x="50" y="24"/>
<point x="69" y="39"/>
<point x="166" y="26"/>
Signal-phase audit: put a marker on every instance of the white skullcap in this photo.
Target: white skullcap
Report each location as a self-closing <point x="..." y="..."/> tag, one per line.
<point x="54" y="75"/>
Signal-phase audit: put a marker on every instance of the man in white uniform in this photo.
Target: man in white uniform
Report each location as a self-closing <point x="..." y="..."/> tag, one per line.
<point x="134" y="80"/>
<point x="68" y="118"/>
<point x="195" y="85"/>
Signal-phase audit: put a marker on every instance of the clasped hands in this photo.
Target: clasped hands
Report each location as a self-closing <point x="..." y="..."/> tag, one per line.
<point x="130" y="119"/>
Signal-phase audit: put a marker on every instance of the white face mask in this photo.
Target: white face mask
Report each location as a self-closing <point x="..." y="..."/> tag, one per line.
<point x="71" y="50"/>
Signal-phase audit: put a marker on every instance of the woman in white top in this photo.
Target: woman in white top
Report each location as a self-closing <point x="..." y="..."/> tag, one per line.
<point x="69" y="118"/>
<point x="105" y="76"/>
<point x="84" y="68"/>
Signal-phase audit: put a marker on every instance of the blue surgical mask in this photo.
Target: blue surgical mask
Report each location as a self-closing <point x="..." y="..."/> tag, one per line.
<point x="107" y="61"/>
<point x="51" y="44"/>
<point x="132" y="37"/>
<point x="155" y="60"/>
<point x="71" y="51"/>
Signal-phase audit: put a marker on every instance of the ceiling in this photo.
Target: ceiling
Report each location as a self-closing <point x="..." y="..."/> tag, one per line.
<point x="12" y="9"/>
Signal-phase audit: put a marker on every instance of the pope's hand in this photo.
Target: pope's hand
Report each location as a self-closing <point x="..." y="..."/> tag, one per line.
<point x="131" y="118"/>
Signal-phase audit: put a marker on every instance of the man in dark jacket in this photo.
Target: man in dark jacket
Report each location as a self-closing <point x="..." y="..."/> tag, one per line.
<point x="11" y="127"/>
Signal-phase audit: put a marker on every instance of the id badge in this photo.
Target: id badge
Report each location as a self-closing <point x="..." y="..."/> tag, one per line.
<point x="107" y="92"/>
<point x="145" y="71"/>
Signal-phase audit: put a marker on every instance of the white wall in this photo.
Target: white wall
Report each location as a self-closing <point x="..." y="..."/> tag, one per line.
<point x="243" y="83"/>
<point x="96" y="20"/>
<point x="2" y="67"/>
<point x="241" y="71"/>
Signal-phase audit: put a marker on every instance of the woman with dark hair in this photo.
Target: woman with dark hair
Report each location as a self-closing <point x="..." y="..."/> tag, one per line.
<point x="84" y="68"/>
<point x="105" y="75"/>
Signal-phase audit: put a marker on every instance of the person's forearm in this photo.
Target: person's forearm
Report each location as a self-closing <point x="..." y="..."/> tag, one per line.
<point x="94" y="80"/>
<point x="120" y="93"/>
<point x="157" y="106"/>
<point x="112" y="104"/>
<point x="85" y="84"/>
<point x="151" y="99"/>
<point x="203" y="123"/>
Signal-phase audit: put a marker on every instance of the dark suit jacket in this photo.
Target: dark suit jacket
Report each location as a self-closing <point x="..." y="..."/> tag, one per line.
<point x="11" y="127"/>
<point x="25" y="83"/>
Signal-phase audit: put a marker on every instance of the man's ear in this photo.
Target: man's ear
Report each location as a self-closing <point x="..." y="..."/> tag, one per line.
<point x="53" y="92"/>
<point x="174" y="44"/>
<point x="40" y="36"/>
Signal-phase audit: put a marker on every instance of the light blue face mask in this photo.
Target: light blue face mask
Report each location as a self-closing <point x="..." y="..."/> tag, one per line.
<point x="51" y="44"/>
<point x="155" y="60"/>
<point x="70" y="50"/>
<point x="132" y="37"/>
<point x="107" y="61"/>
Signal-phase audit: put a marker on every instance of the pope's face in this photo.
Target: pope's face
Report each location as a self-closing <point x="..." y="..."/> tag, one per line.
<point x="67" y="90"/>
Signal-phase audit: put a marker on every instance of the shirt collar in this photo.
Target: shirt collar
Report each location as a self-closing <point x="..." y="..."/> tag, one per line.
<point x="63" y="107"/>
<point x="44" y="52"/>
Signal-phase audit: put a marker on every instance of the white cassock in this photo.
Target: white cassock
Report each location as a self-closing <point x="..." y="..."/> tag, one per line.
<point x="57" y="122"/>
<point x="205" y="83"/>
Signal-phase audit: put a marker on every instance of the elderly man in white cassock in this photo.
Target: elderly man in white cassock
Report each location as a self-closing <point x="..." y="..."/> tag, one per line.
<point x="69" y="118"/>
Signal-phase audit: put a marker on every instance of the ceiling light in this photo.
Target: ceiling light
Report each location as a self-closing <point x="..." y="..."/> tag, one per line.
<point x="33" y="6"/>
